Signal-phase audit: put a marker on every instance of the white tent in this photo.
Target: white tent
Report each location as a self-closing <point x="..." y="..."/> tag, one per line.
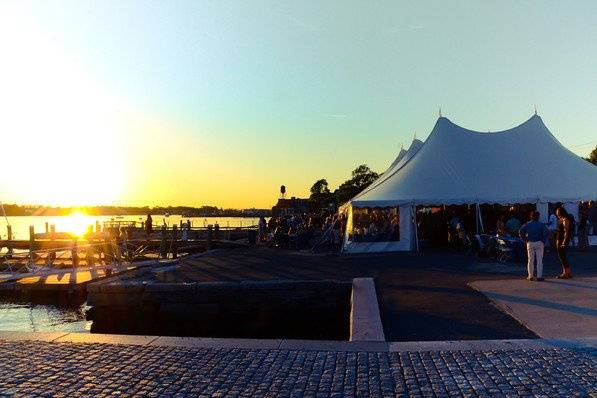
<point x="525" y="164"/>
<point x="395" y="162"/>
<point x="403" y="157"/>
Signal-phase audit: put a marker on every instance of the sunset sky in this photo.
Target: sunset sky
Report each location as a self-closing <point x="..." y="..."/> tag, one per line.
<point x="201" y="102"/>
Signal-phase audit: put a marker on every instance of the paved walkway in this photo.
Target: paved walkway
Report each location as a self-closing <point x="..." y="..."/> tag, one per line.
<point x="146" y="367"/>
<point x="552" y="309"/>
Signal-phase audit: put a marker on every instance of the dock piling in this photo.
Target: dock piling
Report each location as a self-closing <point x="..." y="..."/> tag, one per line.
<point x="209" y="236"/>
<point x="9" y="238"/>
<point x="52" y="237"/>
<point x="31" y="244"/>
<point x="174" y="244"/>
<point x="163" y="247"/>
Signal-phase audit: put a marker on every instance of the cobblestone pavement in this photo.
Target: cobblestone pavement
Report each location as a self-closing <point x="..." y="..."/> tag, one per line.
<point x="101" y="370"/>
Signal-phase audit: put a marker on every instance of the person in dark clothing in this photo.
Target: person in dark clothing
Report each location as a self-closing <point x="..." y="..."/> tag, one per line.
<point x="563" y="235"/>
<point x="148" y="225"/>
<point x="583" y="228"/>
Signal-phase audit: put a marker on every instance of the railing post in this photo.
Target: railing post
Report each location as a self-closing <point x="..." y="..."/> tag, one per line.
<point x="174" y="243"/>
<point x="209" y="231"/>
<point x="163" y="248"/>
<point x="52" y="237"/>
<point x="47" y="229"/>
<point x="89" y="254"/>
<point x="117" y="251"/>
<point x="9" y="238"/>
<point x="75" y="254"/>
<point x="31" y="244"/>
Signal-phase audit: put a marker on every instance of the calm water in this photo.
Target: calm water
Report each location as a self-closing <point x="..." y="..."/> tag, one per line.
<point x="29" y="317"/>
<point x="79" y="223"/>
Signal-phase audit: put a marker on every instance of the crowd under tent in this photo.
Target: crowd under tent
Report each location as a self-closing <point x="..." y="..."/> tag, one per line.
<point x="456" y="166"/>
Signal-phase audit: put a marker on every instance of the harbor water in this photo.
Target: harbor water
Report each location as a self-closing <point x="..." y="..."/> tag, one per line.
<point x="78" y="223"/>
<point x="43" y="317"/>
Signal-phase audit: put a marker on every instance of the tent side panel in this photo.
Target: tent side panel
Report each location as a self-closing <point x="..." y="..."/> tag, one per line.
<point x="543" y="209"/>
<point x="404" y="244"/>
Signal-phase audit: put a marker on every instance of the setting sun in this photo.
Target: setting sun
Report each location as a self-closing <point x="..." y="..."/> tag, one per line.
<point x="76" y="223"/>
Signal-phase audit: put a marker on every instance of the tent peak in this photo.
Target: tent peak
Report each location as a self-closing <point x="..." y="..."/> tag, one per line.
<point x="535" y="119"/>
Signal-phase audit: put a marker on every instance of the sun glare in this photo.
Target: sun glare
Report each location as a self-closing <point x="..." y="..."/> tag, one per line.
<point x="65" y="125"/>
<point x="76" y="223"/>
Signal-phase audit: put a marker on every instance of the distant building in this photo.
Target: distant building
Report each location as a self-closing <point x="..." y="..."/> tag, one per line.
<point x="253" y="212"/>
<point x="290" y="206"/>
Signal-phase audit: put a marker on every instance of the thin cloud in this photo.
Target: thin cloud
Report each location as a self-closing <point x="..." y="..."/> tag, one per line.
<point x="296" y="22"/>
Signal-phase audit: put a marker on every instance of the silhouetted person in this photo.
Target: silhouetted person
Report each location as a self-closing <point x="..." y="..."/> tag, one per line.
<point x="148" y="225"/>
<point x="262" y="229"/>
<point x="563" y="236"/>
<point x="583" y="228"/>
<point x="552" y="227"/>
<point x="513" y="225"/>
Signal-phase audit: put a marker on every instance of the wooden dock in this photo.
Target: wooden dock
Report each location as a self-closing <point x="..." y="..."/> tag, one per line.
<point x="66" y="280"/>
<point x="114" y="239"/>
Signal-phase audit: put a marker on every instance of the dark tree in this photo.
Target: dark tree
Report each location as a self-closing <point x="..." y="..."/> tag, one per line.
<point x="320" y="195"/>
<point x="593" y="156"/>
<point x="362" y="177"/>
<point x="320" y="187"/>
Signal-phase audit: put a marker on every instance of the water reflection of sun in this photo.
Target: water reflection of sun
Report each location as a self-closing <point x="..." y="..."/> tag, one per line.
<point x="76" y="223"/>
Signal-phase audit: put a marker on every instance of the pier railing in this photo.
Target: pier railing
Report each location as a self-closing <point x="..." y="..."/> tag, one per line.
<point x="182" y="224"/>
<point x="113" y="242"/>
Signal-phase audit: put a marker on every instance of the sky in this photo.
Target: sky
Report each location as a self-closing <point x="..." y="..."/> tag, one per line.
<point x="221" y="102"/>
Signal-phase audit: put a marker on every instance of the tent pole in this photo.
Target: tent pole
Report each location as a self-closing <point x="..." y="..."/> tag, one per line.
<point x="481" y="219"/>
<point x="414" y="209"/>
<point x="477" y="218"/>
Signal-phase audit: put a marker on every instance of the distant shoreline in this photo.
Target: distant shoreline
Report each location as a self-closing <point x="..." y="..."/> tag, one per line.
<point x="143" y="214"/>
<point x="13" y="210"/>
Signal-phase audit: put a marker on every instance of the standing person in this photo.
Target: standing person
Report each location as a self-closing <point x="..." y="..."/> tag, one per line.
<point x="512" y="225"/>
<point x="583" y="228"/>
<point x="262" y="228"/>
<point x="552" y="227"/>
<point x="535" y="234"/>
<point x="563" y="236"/>
<point x="148" y="225"/>
<point x="593" y="217"/>
<point x="453" y="233"/>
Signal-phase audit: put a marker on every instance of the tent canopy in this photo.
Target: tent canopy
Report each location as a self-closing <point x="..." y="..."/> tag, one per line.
<point x="525" y="164"/>
<point x="403" y="157"/>
<point x="398" y="158"/>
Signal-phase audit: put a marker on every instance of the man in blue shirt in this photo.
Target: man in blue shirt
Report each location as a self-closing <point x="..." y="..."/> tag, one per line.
<point x="535" y="234"/>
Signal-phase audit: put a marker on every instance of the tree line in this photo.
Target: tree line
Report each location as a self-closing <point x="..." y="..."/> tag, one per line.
<point x="188" y="211"/>
<point x="323" y="198"/>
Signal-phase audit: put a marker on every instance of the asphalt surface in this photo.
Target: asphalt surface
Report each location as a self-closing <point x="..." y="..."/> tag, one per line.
<point x="422" y="296"/>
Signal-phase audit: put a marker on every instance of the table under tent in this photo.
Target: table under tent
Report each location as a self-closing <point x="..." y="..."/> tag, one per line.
<point x="456" y="166"/>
